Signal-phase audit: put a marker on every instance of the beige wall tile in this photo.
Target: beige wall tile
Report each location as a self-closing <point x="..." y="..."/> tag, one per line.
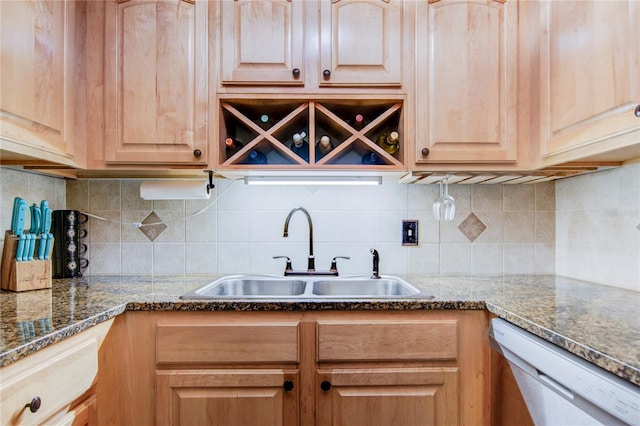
<point x="168" y="258"/>
<point x="487" y="198"/>
<point x="455" y="258"/>
<point x="137" y="258"/>
<point x="519" y="259"/>
<point x="487" y="258"/>
<point x="104" y="231"/>
<point x="104" y="195"/>
<point x="424" y="259"/>
<point x="105" y="258"/>
<point x="201" y="258"/>
<point x="519" y="197"/>
<point x="131" y="196"/>
<point x="77" y="195"/>
<point x="545" y="227"/>
<point x="519" y="227"/>
<point x="545" y="196"/>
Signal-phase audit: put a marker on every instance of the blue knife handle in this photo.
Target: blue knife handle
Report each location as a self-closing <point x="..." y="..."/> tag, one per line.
<point x="42" y="245"/>
<point x="47" y="248"/>
<point x="31" y="238"/>
<point x="21" y="247"/>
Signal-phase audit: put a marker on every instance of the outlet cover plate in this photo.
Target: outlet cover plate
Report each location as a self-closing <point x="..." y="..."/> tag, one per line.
<point x="409" y="232"/>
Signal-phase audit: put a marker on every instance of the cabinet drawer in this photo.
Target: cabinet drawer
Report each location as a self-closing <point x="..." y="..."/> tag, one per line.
<point x="227" y="343"/>
<point x="387" y="340"/>
<point x="57" y="381"/>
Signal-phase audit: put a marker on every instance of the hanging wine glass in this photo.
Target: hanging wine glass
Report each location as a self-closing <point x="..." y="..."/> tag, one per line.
<point x="444" y="208"/>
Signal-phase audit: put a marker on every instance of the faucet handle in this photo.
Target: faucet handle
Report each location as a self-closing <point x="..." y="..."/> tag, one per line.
<point x="288" y="268"/>
<point x="334" y="263"/>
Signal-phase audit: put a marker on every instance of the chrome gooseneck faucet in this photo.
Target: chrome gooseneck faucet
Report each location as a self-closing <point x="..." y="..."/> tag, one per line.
<point x="311" y="265"/>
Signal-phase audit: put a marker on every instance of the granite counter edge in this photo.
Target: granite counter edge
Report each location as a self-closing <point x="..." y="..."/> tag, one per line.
<point x="591" y="355"/>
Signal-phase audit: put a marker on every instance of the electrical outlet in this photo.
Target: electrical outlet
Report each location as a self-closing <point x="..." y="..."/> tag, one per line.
<point x="409" y="232"/>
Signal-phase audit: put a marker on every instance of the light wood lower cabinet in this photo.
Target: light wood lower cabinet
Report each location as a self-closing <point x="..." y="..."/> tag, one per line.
<point x="221" y="397"/>
<point x="58" y="381"/>
<point x="298" y="368"/>
<point x="388" y="396"/>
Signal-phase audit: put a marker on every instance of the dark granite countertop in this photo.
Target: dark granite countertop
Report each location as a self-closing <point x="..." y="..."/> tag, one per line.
<point x="598" y="323"/>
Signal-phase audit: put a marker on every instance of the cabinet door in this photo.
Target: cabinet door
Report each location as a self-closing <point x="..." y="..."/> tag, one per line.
<point x="156" y="82"/>
<point x="262" y="42"/>
<point x="361" y="43"/>
<point x="36" y="87"/>
<point x="227" y="397"/>
<point x="467" y="81"/>
<point x="590" y="78"/>
<point x="387" y="396"/>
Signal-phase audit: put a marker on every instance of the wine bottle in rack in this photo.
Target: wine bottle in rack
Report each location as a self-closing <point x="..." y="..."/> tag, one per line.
<point x="231" y="146"/>
<point x="265" y="121"/>
<point x="257" y="157"/>
<point x="389" y="141"/>
<point x="358" y="122"/>
<point x="372" y="158"/>
<point x="323" y="147"/>
<point x="300" y="146"/>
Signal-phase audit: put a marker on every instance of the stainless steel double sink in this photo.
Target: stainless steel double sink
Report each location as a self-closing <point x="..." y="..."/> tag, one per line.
<point x="307" y="287"/>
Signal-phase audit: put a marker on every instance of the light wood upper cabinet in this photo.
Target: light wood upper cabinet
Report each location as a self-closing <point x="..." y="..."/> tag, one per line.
<point x="312" y="44"/>
<point x="262" y="42"/>
<point x="361" y="43"/>
<point x="589" y="80"/>
<point x="37" y="80"/>
<point x="156" y="82"/>
<point x="467" y="75"/>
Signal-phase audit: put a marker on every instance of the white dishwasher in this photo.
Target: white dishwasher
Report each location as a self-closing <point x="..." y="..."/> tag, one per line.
<point x="560" y="388"/>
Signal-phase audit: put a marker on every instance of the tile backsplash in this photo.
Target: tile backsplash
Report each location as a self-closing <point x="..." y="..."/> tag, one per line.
<point x="30" y="186"/>
<point x="513" y="230"/>
<point x="586" y="227"/>
<point x="598" y="227"/>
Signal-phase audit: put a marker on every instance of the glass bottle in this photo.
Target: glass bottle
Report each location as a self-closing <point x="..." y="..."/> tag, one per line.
<point x="257" y="157"/>
<point x="358" y="122"/>
<point x="389" y="141"/>
<point x="232" y="146"/>
<point x="372" y="158"/>
<point x="300" y="146"/>
<point x="265" y="121"/>
<point x="323" y="147"/>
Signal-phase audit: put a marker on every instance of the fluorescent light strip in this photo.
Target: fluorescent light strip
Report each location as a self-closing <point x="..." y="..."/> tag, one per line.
<point x="313" y="180"/>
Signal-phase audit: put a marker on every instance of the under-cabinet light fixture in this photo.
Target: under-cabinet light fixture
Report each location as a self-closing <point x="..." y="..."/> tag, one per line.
<point x="313" y="180"/>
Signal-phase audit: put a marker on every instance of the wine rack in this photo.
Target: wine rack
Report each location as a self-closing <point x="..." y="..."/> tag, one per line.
<point x="240" y="121"/>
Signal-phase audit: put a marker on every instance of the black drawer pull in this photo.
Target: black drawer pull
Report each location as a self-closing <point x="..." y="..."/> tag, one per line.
<point x="325" y="385"/>
<point x="34" y="405"/>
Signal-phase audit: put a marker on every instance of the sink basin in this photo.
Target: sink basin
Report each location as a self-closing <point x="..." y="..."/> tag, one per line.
<point x="364" y="287"/>
<point x="307" y="287"/>
<point x="248" y="286"/>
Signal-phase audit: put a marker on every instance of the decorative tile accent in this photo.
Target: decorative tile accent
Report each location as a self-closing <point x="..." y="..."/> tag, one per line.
<point x="153" y="231"/>
<point x="472" y="227"/>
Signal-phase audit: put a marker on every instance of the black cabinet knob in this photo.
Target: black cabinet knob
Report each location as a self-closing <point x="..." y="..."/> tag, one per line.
<point x="325" y="385"/>
<point x="296" y="72"/>
<point x="637" y="111"/>
<point x="34" y="405"/>
<point x="425" y="152"/>
<point x="288" y="385"/>
<point x="197" y="153"/>
<point x="326" y="73"/>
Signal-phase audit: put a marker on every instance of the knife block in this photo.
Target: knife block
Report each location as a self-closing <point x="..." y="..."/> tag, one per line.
<point x="25" y="275"/>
